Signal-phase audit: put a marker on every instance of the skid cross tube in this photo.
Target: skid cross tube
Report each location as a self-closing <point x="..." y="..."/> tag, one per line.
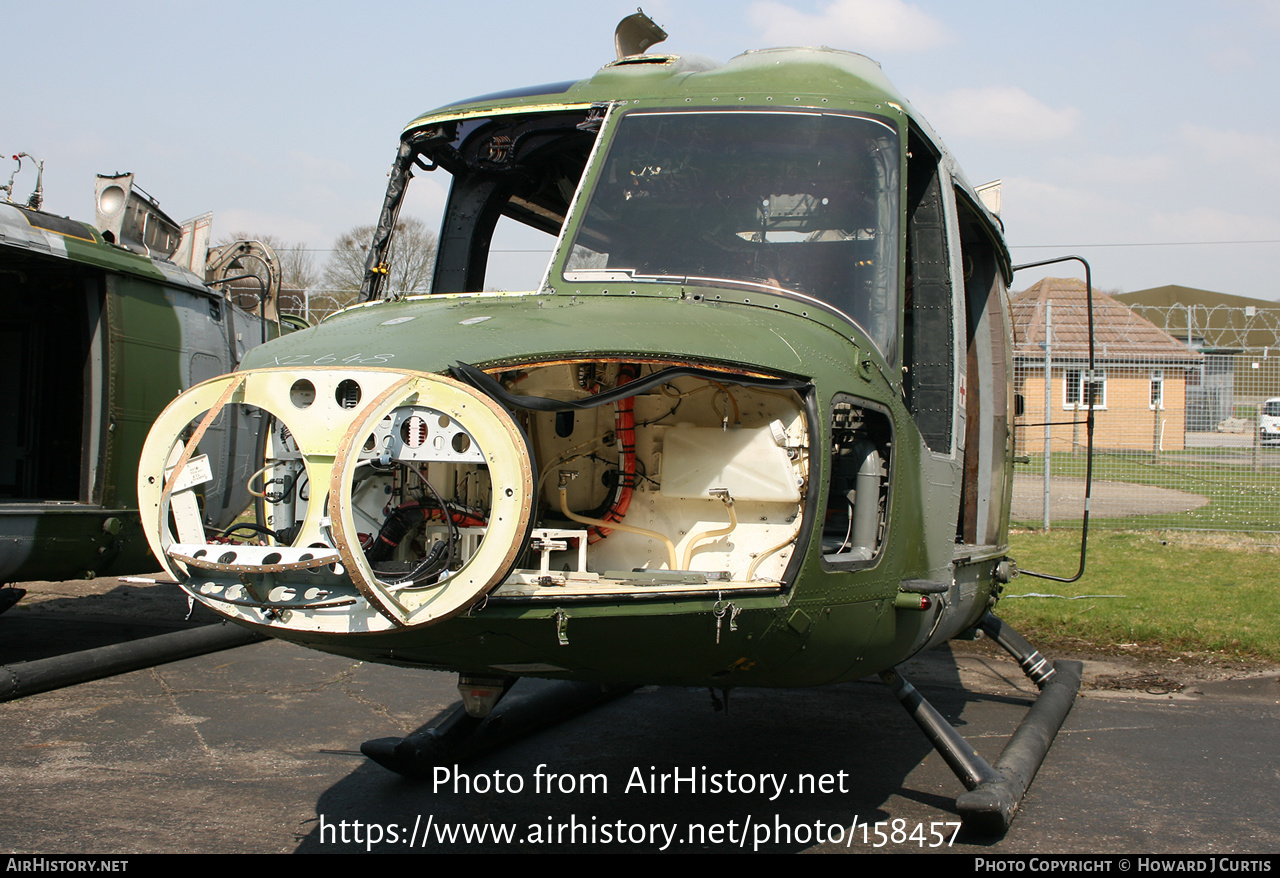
<point x="995" y="791"/>
<point x="43" y="675"/>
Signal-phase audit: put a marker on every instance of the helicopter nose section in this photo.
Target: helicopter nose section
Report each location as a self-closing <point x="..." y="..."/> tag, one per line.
<point x="329" y="548"/>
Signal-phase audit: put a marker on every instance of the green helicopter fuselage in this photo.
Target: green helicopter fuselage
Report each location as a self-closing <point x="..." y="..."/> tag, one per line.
<point x="751" y="427"/>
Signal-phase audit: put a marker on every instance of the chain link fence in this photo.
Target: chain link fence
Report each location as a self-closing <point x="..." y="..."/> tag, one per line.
<point x="1176" y="446"/>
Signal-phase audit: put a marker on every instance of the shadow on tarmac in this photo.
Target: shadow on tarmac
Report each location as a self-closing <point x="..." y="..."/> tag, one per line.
<point x="779" y="771"/>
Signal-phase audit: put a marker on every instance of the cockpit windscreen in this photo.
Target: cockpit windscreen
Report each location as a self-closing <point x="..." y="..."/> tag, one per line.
<point x="803" y="203"/>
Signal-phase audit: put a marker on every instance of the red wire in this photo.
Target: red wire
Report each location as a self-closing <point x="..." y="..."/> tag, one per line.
<point x="624" y="426"/>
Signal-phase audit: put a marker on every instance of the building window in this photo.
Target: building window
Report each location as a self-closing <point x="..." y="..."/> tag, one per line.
<point x="1157" y="390"/>
<point x="1085" y="390"/>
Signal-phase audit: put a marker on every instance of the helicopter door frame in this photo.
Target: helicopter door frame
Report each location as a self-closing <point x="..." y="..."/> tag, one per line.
<point x="934" y="383"/>
<point x="986" y="484"/>
<point x="97" y="398"/>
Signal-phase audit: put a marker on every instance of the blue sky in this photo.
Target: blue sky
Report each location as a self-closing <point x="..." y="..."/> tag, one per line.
<point x="1141" y="135"/>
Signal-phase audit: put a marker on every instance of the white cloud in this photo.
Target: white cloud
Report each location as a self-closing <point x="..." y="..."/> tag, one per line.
<point x="1226" y="143"/>
<point x="1040" y="212"/>
<point x="1266" y="13"/>
<point x="865" y="25"/>
<point x="1225" y="148"/>
<point x="1120" y="170"/>
<point x="286" y="227"/>
<point x="1213" y="224"/>
<point x="997" y="113"/>
<point x="1231" y="59"/>
<point x="309" y="166"/>
<point x="426" y="199"/>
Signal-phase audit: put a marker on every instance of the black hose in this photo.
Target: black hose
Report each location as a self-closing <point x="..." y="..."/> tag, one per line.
<point x="480" y="380"/>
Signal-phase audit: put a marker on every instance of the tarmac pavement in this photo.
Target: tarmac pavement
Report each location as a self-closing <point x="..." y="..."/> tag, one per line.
<point x="256" y="750"/>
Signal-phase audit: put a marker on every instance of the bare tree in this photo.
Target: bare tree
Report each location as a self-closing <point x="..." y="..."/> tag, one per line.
<point x="413" y="256"/>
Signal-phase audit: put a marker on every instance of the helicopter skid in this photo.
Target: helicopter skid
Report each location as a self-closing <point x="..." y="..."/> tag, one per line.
<point x="534" y="706"/>
<point x="994" y="792"/>
<point x="989" y="807"/>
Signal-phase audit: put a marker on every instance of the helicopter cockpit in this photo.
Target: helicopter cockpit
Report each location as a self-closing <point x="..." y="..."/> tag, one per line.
<point x="800" y="203"/>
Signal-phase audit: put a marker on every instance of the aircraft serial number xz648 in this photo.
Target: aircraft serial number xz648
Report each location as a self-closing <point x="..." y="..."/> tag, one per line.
<point x="752" y="428"/>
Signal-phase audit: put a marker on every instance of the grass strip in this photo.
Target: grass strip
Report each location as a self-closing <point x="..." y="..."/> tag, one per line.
<point x="1207" y="594"/>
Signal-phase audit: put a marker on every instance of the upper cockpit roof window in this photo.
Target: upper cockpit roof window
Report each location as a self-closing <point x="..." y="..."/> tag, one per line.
<point x="794" y="202"/>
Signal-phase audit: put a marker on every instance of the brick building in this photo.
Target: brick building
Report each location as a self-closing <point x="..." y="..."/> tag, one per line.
<point x="1138" y="388"/>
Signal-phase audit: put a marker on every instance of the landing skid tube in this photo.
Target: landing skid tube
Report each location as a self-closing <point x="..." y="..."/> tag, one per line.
<point x="525" y="709"/>
<point x="994" y="792"/>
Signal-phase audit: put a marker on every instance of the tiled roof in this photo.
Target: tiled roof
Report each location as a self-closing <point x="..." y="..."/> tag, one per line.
<point x="1118" y="333"/>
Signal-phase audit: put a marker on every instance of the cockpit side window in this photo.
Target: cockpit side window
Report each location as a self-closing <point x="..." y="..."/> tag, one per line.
<point x="801" y="203"/>
<point x="519" y="168"/>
